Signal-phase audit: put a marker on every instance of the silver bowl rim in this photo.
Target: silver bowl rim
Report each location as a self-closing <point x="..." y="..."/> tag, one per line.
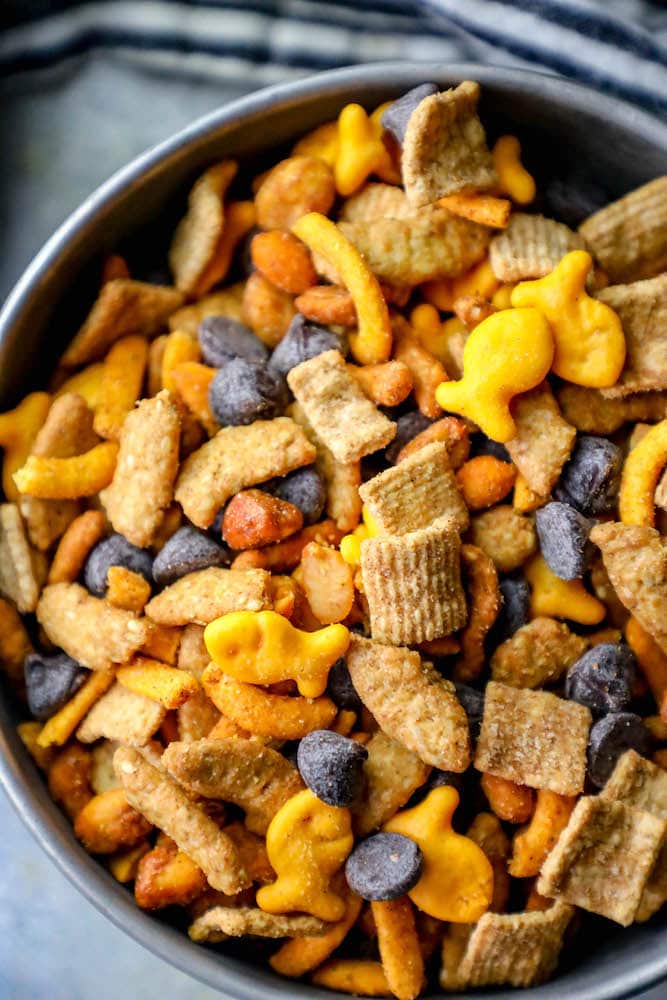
<point x="17" y="772"/>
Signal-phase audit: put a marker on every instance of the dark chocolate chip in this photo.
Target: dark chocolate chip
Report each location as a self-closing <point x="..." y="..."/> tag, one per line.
<point x="609" y="738"/>
<point x="384" y="866"/>
<point x="222" y="339"/>
<point x="50" y="682"/>
<point x="303" y="341"/>
<point x="244" y="391"/>
<point x="602" y="678"/>
<point x="332" y="766"/>
<point x="563" y="533"/>
<point x="115" y="551"/>
<point x="185" y="552"/>
<point x="395" y="118"/>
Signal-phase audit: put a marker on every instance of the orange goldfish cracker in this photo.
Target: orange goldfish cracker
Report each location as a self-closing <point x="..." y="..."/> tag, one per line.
<point x="361" y="151"/>
<point x="18" y="429"/>
<point x="60" y="726"/>
<point x="122" y="379"/>
<point x="398" y="944"/>
<point x="158" y="681"/>
<point x="641" y="472"/>
<point x="327" y="582"/>
<point x="123" y="307"/>
<point x="283" y="260"/>
<point x="15" y="643"/>
<point x="589" y="341"/>
<point x="307" y="843"/>
<point x="239" y="220"/>
<point x="69" y="779"/>
<point x="108" y="823"/>
<point x="492" y="372"/>
<point x="114" y="266"/>
<point x="266" y="714"/>
<point x="87" y="383"/>
<point x="197" y="234"/>
<point x="385" y="385"/>
<point x="482" y="208"/>
<point x="429" y="330"/>
<point x="484" y="603"/>
<point x="167" y="877"/>
<point x="652" y="662"/>
<point x="322" y="143"/>
<point x="456" y="883"/>
<point x="372" y="343"/>
<point x="484" y="481"/>
<point x="267" y="310"/>
<point x="126" y="589"/>
<point x="254" y="518"/>
<point x="426" y="370"/>
<point x="167" y="806"/>
<point x="514" y="179"/>
<point x="552" y="597"/>
<point x="359" y="976"/>
<point x="124" y="865"/>
<point x="68" y="478"/>
<point x="502" y="297"/>
<point x="328" y="304"/>
<point x="452" y="431"/>
<point x="74" y="546"/>
<point x="509" y="801"/>
<point x="264" y="648"/>
<point x="292" y="188"/>
<point x="301" y="955"/>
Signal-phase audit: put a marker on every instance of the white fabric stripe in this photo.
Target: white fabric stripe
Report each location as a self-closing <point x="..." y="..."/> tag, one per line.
<point x="506" y="22"/>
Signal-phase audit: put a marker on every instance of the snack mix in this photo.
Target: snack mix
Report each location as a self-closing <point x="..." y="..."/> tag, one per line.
<point x="334" y="574"/>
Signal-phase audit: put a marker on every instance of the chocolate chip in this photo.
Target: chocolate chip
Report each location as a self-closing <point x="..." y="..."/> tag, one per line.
<point x="185" y="552"/>
<point x="244" y="391"/>
<point x="50" y="682"/>
<point x="609" y="738"/>
<point x="115" y="551"/>
<point x="384" y="866"/>
<point x="590" y="479"/>
<point x="332" y="766"/>
<point x="305" y="489"/>
<point x="395" y="118"/>
<point x="563" y="533"/>
<point x="303" y="341"/>
<point x="222" y="339"/>
<point x="602" y="678"/>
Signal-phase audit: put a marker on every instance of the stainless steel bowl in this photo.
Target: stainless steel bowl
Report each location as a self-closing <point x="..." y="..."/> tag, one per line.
<point x="563" y="126"/>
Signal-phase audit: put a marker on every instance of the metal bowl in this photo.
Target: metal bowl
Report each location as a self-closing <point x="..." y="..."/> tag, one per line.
<point x="566" y="129"/>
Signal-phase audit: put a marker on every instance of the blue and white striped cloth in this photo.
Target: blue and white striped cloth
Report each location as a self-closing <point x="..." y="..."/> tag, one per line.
<point x="87" y="85"/>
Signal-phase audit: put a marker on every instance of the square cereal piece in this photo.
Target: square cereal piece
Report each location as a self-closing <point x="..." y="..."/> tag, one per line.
<point x="17" y="573"/>
<point x="337" y="409"/>
<point x="206" y="594"/>
<point x="533" y="738"/>
<point x="412" y="702"/>
<point x="413" y="583"/>
<point x="444" y="147"/>
<point x="638" y="783"/>
<point x="603" y="858"/>
<point x="531" y="247"/>
<point x="433" y="244"/>
<point x="123" y="307"/>
<point x="629" y="236"/>
<point x="143" y="482"/>
<point x="342" y="479"/>
<point x="642" y="307"/>
<point x="122" y="715"/>
<point x="238" y="457"/>
<point x="517" y="949"/>
<point x="543" y="441"/>
<point x="89" y="629"/>
<point x="392" y="773"/>
<point x="416" y="492"/>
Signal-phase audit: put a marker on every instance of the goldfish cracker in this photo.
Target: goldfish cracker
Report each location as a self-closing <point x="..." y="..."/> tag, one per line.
<point x="514" y="179"/>
<point x="508" y="353"/>
<point x="307" y="843"/>
<point x="457" y="878"/>
<point x="429" y="329"/>
<point x="322" y="143"/>
<point x="555" y="598"/>
<point x="300" y="955"/>
<point x="641" y="472"/>
<point x="360" y="976"/>
<point x="590" y="345"/>
<point x="361" y="151"/>
<point x="18" y="429"/>
<point x="502" y="297"/>
<point x="179" y="347"/>
<point x="479" y="280"/>
<point x="86" y="383"/>
<point x="262" y="647"/>
<point x="371" y="345"/>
